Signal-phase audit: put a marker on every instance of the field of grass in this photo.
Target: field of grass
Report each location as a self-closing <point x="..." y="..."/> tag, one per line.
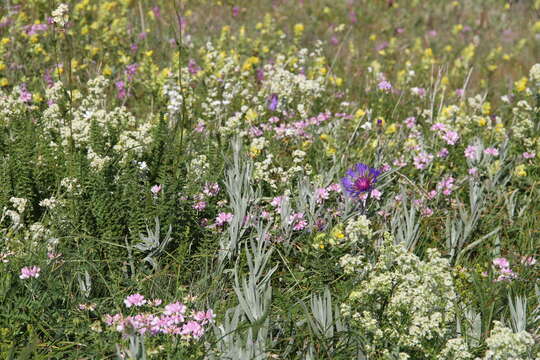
<point x="270" y="179"/>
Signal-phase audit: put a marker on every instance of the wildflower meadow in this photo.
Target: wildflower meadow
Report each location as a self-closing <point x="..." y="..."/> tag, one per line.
<point x="270" y="179"/>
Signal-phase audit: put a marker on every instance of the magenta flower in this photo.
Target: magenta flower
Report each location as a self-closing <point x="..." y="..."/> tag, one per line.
<point x="528" y="155"/>
<point x="30" y="272"/>
<point x="192" y="328"/>
<point x="204" y="316"/>
<point x="134" y="300"/>
<point x="359" y="179"/>
<point x="384" y="86"/>
<point x="471" y="152"/>
<point x="176" y="308"/>
<point x="155" y="189"/>
<point x="199" y="205"/>
<point x="491" y="151"/>
<point x="223" y="218"/>
<point x="501" y="262"/>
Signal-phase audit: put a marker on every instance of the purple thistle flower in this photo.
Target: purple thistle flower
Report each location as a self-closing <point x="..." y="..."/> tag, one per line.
<point x="359" y="179"/>
<point x="273" y="102"/>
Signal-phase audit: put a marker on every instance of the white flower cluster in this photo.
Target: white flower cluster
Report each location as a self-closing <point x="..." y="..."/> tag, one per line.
<point x="534" y="74"/>
<point x="504" y="344"/>
<point x="19" y="203"/>
<point x="10" y="106"/>
<point x="200" y="166"/>
<point x="352" y="263"/>
<point x="49" y="203"/>
<point x="60" y="15"/>
<point x="404" y="303"/>
<point x="358" y="228"/>
<point x="456" y="349"/>
<point x="71" y="185"/>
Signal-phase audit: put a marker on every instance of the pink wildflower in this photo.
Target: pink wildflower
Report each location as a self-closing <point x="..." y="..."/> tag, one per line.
<point x="223" y="218"/>
<point x="134" y="300"/>
<point x="30" y="272"/>
<point x="491" y="151"/>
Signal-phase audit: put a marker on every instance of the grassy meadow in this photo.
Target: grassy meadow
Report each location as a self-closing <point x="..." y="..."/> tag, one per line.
<point x="270" y="179"/>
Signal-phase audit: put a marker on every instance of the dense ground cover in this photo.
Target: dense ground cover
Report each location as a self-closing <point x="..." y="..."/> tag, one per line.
<point x="269" y="179"/>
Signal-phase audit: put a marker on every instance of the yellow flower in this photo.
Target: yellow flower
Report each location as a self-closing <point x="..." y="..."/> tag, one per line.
<point x="519" y="171"/>
<point x="5" y="41"/>
<point x="37" y="97"/>
<point x="149" y="53"/>
<point x="457" y="28"/>
<point x="2" y="66"/>
<point x="486" y="108"/>
<point x="298" y="29"/>
<point x="4" y="82"/>
<point x="392" y="128"/>
<point x="324" y="137"/>
<point x="359" y="113"/>
<point x="482" y="121"/>
<point x="107" y="71"/>
<point x="521" y="84"/>
<point x="251" y="115"/>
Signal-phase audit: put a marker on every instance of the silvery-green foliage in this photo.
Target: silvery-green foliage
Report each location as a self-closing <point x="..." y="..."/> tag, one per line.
<point x="504" y="344"/>
<point x="518" y="313"/>
<point x="135" y="351"/>
<point x="152" y="245"/>
<point x="85" y="285"/>
<point x="536" y="312"/>
<point x="406" y="224"/>
<point x="460" y="227"/>
<point x="471" y="327"/>
<point x="306" y="202"/>
<point x="241" y="196"/>
<point x="245" y="332"/>
<point x="512" y="202"/>
<point x="321" y="317"/>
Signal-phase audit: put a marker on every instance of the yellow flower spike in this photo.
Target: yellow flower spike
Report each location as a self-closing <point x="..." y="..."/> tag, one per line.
<point x="444" y="80"/>
<point x="107" y="71"/>
<point x="4" y="82"/>
<point x="37" y="97"/>
<point x="519" y="171"/>
<point x="5" y="41"/>
<point x="373" y="37"/>
<point x="149" y="53"/>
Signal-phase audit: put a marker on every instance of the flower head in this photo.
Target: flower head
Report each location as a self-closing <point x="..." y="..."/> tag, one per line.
<point x="359" y="179"/>
<point x="29" y="272"/>
<point x="134" y="300"/>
